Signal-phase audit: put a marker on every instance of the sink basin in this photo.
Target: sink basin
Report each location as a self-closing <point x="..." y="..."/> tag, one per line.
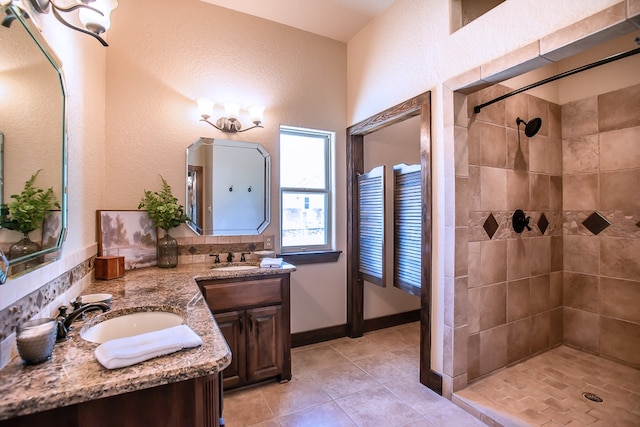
<point x="131" y="324"/>
<point x="236" y="268"/>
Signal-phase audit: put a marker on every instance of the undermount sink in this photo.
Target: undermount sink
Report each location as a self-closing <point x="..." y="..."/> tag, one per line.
<point x="131" y="324"/>
<point x="236" y="268"/>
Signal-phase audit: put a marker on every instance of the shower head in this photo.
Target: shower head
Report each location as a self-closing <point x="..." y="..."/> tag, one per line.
<point x="532" y="127"/>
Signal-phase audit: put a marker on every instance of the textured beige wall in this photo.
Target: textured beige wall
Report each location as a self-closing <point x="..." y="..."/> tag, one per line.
<point x="162" y="59"/>
<point x="409" y="48"/>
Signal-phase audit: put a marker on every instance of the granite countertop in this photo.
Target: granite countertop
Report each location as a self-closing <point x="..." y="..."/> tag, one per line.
<point x="73" y="375"/>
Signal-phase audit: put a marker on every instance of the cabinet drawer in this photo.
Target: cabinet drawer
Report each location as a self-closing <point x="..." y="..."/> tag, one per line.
<point x="247" y="293"/>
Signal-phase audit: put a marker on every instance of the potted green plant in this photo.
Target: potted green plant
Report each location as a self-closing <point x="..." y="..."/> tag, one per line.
<point x="166" y="213"/>
<point x="25" y="214"/>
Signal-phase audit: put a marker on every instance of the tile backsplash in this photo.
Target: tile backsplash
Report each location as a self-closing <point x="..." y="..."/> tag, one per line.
<point x="201" y="248"/>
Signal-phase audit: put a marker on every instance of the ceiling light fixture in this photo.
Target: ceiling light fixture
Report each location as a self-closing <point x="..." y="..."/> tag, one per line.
<point x="229" y="123"/>
<point x="93" y="14"/>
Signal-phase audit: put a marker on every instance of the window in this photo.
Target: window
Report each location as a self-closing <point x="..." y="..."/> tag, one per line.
<point x="305" y="190"/>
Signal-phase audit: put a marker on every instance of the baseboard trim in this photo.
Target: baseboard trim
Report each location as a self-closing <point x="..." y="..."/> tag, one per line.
<point x="339" y="331"/>
<point x="318" y="335"/>
<point x="391" y="320"/>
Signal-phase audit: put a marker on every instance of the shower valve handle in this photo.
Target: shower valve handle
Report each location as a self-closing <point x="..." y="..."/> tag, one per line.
<point x="520" y="221"/>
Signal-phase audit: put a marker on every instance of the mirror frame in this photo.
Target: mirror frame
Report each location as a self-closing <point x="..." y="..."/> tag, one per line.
<point x="254" y="231"/>
<point x="21" y="16"/>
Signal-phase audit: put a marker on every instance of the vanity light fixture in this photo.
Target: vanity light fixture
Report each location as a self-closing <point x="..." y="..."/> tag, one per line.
<point x="229" y="123"/>
<point x="93" y="14"/>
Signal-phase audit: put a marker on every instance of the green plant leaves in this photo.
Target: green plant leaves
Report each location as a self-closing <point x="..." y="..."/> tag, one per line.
<point x="29" y="208"/>
<point x="163" y="208"/>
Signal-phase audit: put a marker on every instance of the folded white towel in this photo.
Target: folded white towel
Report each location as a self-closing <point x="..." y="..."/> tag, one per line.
<point x="128" y="351"/>
<point x="271" y="262"/>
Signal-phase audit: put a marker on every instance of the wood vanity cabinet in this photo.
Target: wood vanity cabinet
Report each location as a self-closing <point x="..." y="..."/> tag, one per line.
<point x="196" y="402"/>
<point x="253" y="315"/>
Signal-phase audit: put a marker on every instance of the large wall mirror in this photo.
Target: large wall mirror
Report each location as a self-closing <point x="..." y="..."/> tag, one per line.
<point x="228" y="186"/>
<point x="33" y="129"/>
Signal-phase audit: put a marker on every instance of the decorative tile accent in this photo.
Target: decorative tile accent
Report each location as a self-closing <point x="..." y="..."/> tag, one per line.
<point x="39" y="299"/>
<point x="490" y="225"/>
<point x="192" y="250"/>
<point x="31" y="304"/>
<point x="595" y="223"/>
<point x="543" y="223"/>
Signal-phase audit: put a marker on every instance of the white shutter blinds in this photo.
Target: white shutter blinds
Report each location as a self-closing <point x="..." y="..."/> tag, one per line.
<point x="407" y="228"/>
<point x="371" y="242"/>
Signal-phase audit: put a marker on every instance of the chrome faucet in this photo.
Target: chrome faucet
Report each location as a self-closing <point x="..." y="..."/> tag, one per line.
<point x="242" y="258"/>
<point x="65" y="320"/>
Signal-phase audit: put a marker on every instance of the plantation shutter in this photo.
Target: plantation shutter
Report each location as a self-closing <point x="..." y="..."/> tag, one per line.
<point x="371" y="242"/>
<point x="407" y="228"/>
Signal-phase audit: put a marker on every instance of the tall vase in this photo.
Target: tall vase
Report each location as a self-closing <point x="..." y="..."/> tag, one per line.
<point x="21" y="248"/>
<point x="167" y="251"/>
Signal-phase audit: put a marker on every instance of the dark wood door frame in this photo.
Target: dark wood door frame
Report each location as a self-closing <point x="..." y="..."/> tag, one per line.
<point x="419" y="105"/>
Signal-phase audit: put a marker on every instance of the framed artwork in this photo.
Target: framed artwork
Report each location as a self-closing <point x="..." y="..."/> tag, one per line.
<point x="127" y="233"/>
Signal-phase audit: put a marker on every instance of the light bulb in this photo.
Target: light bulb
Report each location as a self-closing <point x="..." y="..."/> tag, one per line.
<point x="205" y="106"/>
<point x="257" y="113"/>
<point x="232" y="110"/>
<point x="95" y="22"/>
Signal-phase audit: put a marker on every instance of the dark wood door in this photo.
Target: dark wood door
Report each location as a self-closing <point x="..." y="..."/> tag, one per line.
<point x="264" y="346"/>
<point x="232" y="325"/>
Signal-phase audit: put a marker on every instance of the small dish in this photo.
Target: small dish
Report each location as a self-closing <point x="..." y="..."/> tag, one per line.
<point x="91" y="298"/>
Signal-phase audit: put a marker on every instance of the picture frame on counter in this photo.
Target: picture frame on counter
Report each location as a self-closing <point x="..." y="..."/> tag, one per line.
<point x="127" y="233"/>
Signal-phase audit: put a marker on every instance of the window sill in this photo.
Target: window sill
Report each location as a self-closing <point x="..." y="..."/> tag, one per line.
<point x="319" y="257"/>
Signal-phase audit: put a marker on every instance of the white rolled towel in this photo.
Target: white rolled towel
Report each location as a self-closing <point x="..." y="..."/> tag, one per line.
<point x="271" y="262"/>
<point x="128" y="351"/>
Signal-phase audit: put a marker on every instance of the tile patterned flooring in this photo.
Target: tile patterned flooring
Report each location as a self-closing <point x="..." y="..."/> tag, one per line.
<point x="368" y="381"/>
<point x="546" y="390"/>
<point x="373" y="381"/>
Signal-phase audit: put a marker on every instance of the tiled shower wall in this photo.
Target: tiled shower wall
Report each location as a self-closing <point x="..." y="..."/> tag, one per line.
<point x="507" y="286"/>
<point x="515" y="295"/>
<point x="601" y="165"/>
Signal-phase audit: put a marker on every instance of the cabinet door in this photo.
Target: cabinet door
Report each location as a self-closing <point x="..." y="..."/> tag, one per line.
<point x="232" y="326"/>
<point x="264" y="342"/>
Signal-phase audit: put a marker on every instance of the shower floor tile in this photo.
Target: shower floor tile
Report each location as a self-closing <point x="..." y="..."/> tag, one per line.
<point x="547" y="390"/>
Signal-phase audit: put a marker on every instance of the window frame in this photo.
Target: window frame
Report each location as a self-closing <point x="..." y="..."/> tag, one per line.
<point x="328" y="191"/>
